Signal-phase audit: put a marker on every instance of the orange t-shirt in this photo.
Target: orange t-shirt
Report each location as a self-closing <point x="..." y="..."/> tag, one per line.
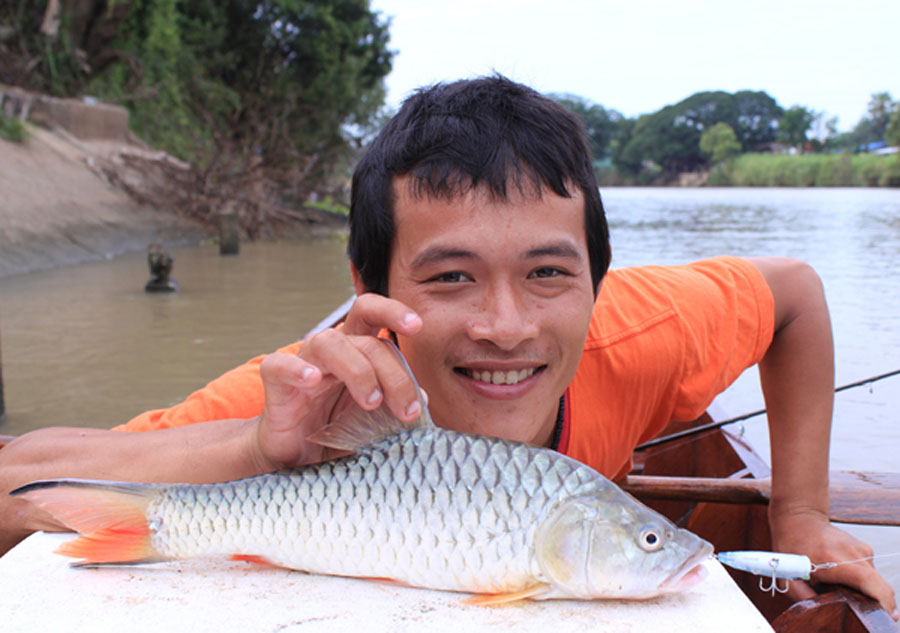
<point x="662" y="343"/>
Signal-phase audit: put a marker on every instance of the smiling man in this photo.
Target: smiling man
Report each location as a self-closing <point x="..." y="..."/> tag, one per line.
<point x="479" y="242"/>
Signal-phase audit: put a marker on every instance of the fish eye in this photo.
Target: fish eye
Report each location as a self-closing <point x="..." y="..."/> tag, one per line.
<point x="650" y="539"/>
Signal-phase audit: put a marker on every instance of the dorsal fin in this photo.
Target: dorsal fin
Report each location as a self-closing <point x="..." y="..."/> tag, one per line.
<point x="355" y="428"/>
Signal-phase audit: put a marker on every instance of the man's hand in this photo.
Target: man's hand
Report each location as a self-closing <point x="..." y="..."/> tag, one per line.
<point x="334" y="366"/>
<point x="813" y="535"/>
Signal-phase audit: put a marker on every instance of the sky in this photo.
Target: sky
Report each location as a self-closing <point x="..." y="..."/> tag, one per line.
<point x="637" y="56"/>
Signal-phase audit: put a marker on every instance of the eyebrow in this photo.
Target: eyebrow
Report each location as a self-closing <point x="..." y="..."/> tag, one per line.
<point x="435" y="254"/>
<point x="557" y="249"/>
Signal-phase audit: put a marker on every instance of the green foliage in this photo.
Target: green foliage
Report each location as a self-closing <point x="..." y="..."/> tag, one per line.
<point x="12" y="129"/>
<point x="811" y="170"/>
<point x="794" y="125"/>
<point x="881" y="107"/>
<point x="601" y="124"/>
<point x="328" y="204"/>
<point x="249" y="92"/>
<point x="719" y="142"/>
<point x="670" y="138"/>
<point x="892" y="133"/>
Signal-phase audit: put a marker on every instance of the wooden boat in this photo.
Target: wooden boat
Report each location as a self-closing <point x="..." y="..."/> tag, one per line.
<point x="709" y="482"/>
<point x="714" y="484"/>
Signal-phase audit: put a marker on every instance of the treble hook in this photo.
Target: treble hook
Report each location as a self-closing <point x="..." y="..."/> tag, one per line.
<point x="773" y="586"/>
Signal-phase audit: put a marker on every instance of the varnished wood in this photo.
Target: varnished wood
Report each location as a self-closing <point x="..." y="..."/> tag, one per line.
<point x="718" y="454"/>
<point x="869" y="498"/>
<point x="839" y="609"/>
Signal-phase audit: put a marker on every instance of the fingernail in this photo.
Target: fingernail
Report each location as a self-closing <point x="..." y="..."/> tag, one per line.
<point x="413" y="410"/>
<point x="374" y="397"/>
<point x="411" y="318"/>
<point x="306" y="373"/>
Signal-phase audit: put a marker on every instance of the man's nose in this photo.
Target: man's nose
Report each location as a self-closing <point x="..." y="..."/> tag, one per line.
<point x="503" y="318"/>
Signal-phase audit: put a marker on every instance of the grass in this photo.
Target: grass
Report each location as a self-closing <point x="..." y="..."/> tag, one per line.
<point x="808" y="170"/>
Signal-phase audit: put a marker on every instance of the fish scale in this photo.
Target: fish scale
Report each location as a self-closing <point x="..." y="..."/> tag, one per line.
<point x="429" y="507"/>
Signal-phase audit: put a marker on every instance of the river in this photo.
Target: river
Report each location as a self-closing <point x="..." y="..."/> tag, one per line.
<point x="86" y="346"/>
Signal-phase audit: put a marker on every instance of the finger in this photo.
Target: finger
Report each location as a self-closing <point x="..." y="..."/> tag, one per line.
<point x="339" y="357"/>
<point x="372" y="313"/>
<point x="867" y="580"/>
<point x="284" y="374"/>
<point x="800" y="590"/>
<point x="398" y="388"/>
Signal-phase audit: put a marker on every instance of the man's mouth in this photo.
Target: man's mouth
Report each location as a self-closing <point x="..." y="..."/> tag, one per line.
<point x="498" y="377"/>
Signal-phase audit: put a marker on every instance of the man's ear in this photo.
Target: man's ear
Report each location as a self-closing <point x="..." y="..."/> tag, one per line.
<point x="358" y="284"/>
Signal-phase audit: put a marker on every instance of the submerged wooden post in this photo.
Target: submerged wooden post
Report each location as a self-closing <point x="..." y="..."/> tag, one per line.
<point x="229" y="242"/>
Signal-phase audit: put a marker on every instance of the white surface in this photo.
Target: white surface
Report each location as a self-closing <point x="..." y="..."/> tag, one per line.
<point x="39" y="591"/>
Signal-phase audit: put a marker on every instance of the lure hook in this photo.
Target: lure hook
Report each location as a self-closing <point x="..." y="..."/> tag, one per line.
<point x="773" y="585"/>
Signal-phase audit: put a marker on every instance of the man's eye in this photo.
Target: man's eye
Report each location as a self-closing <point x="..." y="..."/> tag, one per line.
<point x="546" y="272"/>
<point x="450" y="278"/>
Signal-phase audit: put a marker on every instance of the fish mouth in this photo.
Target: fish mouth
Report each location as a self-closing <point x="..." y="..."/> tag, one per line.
<point x="499" y="376"/>
<point x="690" y="572"/>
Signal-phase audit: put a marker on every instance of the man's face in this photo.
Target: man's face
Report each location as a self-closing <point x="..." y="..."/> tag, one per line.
<point x="504" y="291"/>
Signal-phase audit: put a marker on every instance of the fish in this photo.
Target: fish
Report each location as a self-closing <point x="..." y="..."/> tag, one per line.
<point x="412" y="503"/>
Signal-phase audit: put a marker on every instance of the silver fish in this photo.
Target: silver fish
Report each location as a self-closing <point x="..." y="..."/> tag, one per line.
<point x="418" y="504"/>
<point x="426" y="507"/>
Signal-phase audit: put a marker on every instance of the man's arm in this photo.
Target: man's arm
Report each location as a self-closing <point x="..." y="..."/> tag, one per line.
<point x="197" y="453"/>
<point x="797" y="376"/>
<point x="301" y="393"/>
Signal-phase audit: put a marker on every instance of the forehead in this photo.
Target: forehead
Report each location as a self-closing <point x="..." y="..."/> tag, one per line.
<point x="473" y="224"/>
<point x="412" y="201"/>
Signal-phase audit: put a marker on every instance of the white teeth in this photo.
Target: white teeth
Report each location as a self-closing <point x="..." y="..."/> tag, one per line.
<point x="501" y="377"/>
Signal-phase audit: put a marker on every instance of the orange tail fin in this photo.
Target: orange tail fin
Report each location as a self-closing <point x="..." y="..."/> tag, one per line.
<point x="111" y="518"/>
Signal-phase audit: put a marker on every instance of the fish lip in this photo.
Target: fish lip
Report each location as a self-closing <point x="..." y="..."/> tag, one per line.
<point x="687" y="568"/>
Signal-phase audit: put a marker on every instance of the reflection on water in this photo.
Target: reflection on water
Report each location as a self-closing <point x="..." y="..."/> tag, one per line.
<point x="86" y="346"/>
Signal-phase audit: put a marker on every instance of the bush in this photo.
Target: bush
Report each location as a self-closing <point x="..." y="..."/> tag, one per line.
<point x="12" y="129"/>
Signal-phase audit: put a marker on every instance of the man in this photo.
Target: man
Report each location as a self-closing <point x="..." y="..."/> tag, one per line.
<point x="479" y="243"/>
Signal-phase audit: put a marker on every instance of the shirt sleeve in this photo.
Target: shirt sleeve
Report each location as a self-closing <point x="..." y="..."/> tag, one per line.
<point x="236" y="394"/>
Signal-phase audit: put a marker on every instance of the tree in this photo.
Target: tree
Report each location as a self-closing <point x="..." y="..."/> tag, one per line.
<point x="246" y="90"/>
<point x="794" y="125"/>
<point x="670" y="137"/>
<point x="600" y="123"/>
<point x="880" y="109"/>
<point x="757" y="119"/>
<point x="892" y="134"/>
<point x="719" y="142"/>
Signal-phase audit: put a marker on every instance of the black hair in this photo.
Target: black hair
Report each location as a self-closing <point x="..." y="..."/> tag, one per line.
<point x="488" y="133"/>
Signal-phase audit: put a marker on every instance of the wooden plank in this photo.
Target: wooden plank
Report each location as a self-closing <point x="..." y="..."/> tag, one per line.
<point x="868" y="498"/>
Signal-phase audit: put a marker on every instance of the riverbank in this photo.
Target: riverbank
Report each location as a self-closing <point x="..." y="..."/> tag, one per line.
<point x="81" y="187"/>
<point x="58" y="208"/>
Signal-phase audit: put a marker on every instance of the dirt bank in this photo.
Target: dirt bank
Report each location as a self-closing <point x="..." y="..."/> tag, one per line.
<point x="56" y="210"/>
<point x="64" y="193"/>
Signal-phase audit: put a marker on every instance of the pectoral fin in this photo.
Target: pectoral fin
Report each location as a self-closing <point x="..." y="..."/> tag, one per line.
<point x="490" y="599"/>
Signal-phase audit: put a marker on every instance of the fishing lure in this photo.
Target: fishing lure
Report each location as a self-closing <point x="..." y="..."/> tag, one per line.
<point x="774" y="565"/>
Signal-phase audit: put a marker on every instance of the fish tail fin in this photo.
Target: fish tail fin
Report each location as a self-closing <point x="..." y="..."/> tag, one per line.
<point x="110" y="518"/>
